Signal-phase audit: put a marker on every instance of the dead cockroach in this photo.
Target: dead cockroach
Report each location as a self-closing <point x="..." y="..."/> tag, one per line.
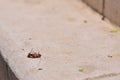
<point x="33" y="54"/>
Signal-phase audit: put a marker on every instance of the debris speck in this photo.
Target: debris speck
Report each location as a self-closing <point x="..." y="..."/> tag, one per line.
<point x="40" y="69"/>
<point x="114" y="30"/>
<point x="23" y="49"/>
<point x="30" y="38"/>
<point x="110" y="56"/>
<point x="81" y="70"/>
<point x="85" y="21"/>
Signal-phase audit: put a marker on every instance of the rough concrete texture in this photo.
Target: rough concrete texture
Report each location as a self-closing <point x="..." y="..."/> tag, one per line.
<point x="112" y="10"/>
<point x="74" y="42"/>
<point x="96" y="4"/>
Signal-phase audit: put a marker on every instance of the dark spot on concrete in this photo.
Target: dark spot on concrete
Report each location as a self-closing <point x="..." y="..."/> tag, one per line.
<point x="110" y="56"/>
<point x="30" y="38"/>
<point x="23" y="49"/>
<point x="40" y="69"/>
<point x="85" y="21"/>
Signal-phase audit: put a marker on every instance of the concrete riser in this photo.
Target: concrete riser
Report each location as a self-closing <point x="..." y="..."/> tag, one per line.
<point x="5" y="71"/>
<point x="111" y="9"/>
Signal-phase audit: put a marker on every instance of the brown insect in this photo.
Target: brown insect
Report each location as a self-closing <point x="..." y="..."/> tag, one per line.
<point x="33" y="54"/>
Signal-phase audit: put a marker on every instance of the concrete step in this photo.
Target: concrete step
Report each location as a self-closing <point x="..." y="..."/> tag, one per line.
<point x="74" y="42"/>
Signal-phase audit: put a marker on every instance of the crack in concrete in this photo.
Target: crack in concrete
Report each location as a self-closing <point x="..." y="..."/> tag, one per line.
<point x="103" y="10"/>
<point x="102" y="76"/>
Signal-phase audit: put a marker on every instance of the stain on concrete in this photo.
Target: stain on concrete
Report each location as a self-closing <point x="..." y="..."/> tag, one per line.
<point x="85" y="21"/>
<point x="68" y="52"/>
<point x="71" y="19"/>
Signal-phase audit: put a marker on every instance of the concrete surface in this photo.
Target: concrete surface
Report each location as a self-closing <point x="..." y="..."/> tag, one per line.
<point x="5" y="71"/>
<point x="74" y="42"/>
<point x="96" y="4"/>
<point x="112" y="10"/>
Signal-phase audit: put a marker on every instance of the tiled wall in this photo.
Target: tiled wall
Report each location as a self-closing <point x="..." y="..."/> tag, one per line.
<point x="109" y="8"/>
